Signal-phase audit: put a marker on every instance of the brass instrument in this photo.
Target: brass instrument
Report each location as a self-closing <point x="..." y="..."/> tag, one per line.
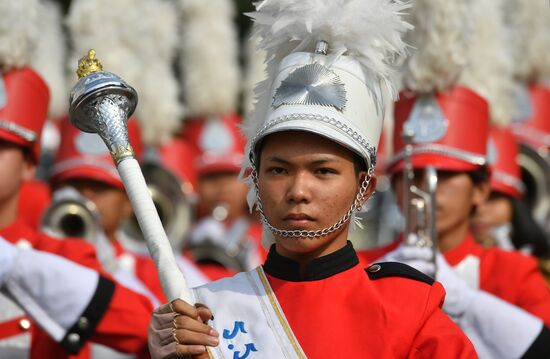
<point x="536" y="177"/>
<point x="71" y="215"/>
<point x="173" y="204"/>
<point x="419" y="207"/>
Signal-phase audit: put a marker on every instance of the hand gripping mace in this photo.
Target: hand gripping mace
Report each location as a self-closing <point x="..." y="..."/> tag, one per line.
<point x="101" y="103"/>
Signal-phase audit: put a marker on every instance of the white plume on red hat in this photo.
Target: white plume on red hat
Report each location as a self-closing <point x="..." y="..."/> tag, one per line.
<point x="49" y="56"/>
<point x="24" y="95"/>
<point x="19" y="33"/>
<point x="209" y="57"/>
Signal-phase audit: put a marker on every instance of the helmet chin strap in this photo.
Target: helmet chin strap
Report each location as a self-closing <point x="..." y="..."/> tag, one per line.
<point x="356" y="206"/>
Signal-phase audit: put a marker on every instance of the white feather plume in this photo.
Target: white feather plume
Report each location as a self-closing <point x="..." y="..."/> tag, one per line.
<point x="530" y="39"/>
<point x="19" y="32"/>
<point x="489" y="70"/>
<point x="516" y="15"/>
<point x="255" y="71"/>
<point x="209" y="57"/>
<point x="369" y="31"/>
<point x="160" y="111"/>
<point x="112" y="29"/>
<point x="49" y="56"/>
<point x="439" y="38"/>
<point x="140" y="49"/>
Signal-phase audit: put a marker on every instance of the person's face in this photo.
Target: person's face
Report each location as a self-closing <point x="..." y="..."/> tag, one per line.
<point x="15" y="168"/>
<point x="307" y="182"/>
<point x="456" y="196"/>
<point x="495" y="212"/>
<point x="223" y="189"/>
<point x="111" y="202"/>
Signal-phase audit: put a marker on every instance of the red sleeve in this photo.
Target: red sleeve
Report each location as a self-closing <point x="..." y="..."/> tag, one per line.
<point x="439" y="336"/>
<point x="125" y="323"/>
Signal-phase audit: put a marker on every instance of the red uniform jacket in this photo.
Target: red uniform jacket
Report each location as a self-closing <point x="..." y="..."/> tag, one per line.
<point x="509" y="275"/>
<point x="339" y="309"/>
<point x="122" y="315"/>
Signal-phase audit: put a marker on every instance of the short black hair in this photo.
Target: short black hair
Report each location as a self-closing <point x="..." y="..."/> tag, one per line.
<point x="359" y="164"/>
<point x="479" y="175"/>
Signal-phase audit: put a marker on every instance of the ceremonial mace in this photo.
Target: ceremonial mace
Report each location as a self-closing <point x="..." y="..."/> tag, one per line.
<point x="101" y="102"/>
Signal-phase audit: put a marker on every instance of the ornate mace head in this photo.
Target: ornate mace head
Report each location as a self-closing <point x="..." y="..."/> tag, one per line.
<point x="101" y="102"/>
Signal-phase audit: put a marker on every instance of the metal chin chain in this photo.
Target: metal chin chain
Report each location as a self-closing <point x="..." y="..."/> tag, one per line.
<point x="356" y="206"/>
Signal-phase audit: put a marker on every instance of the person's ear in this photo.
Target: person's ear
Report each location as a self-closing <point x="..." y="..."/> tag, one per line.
<point x="370" y="189"/>
<point x="481" y="193"/>
<point x="127" y="209"/>
<point x="28" y="170"/>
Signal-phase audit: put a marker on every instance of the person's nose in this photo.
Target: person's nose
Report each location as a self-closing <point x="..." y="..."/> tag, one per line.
<point x="298" y="190"/>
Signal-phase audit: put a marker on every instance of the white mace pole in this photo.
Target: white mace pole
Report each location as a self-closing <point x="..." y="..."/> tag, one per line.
<point x="101" y="102"/>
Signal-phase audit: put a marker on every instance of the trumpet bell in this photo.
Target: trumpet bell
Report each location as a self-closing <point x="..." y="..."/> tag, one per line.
<point x="71" y="216"/>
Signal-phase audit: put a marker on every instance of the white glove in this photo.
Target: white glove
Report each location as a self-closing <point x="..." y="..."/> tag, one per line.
<point x="210" y="230"/>
<point x="8" y="255"/>
<point x="420" y="258"/>
<point x="497" y="328"/>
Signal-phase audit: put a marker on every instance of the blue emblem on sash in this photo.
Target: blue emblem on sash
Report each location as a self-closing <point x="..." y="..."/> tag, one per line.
<point x="238" y="328"/>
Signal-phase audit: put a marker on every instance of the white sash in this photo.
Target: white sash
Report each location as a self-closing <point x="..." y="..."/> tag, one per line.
<point x="468" y="270"/>
<point x="249" y="319"/>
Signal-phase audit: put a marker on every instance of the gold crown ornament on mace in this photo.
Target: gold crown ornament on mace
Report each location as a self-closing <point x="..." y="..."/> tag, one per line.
<point x="101" y="102"/>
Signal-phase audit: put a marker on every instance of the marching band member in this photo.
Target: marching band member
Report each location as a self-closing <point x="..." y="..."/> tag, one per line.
<point x="504" y="220"/>
<point x="497" y="297"/>
<point x="66" y="314"/>
<point x="84" y="163"/>
<point x="225" y="238"/>
<point x="223" y="216"/>
<point x="313" y="133"/>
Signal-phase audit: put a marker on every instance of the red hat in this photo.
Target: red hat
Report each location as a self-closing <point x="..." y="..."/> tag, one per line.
<point x="502" y="155"/>
<point x="535" y="130"/>
<point x="450" y="130"/>
<point x="84" y="155"/>
<point x="24" y="100"/>
<point x="178" y="156"/>
<point x="219" y="142"/>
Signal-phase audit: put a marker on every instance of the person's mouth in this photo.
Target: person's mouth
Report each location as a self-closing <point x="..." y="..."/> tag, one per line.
<point x="298" y="220"/>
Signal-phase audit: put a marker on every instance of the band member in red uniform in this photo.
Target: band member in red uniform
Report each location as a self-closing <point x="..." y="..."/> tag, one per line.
<point x="225" y="234"/>
<point x="312" y="148"/>
<point x="498" y="298"/>
<point x="19" y="150"/>
<point x="504" y="220"/>
<point x="69" y="305"/>
<point x="84" y="164"/>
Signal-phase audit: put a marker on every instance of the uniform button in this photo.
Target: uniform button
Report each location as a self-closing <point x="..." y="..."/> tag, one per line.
<point x="25" y="324"/>
<point x="73" y="338"/>
<point x="374" y="268"/>
<point x="83" y="323"/>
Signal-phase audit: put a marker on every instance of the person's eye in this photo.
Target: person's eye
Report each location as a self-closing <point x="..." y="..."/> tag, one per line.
<point x="276" y="170"/>
<point x="325" y="171"/>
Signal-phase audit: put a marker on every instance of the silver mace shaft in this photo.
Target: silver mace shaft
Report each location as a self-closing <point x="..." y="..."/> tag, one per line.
<point x="101" y="102"/>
